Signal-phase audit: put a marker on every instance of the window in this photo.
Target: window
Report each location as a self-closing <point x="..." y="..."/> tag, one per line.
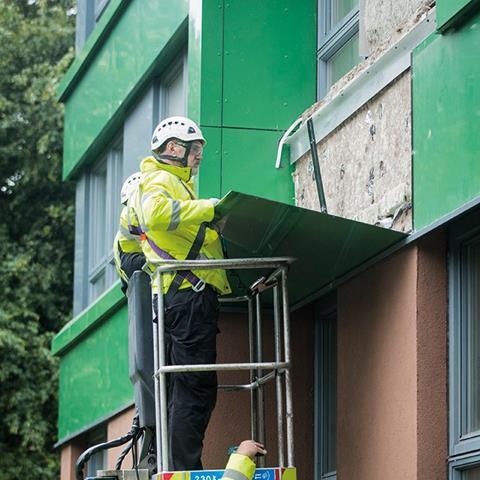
<point x="98" y="461"/>
<point x="104" y="184"/>
<point x="325" y="393"/>
<point x="88" y="14"/>
<point x="337" y="41"/>
<point x="171" y="90"/>
<point x="464" y="348"/>
<point x="100" y="8"/>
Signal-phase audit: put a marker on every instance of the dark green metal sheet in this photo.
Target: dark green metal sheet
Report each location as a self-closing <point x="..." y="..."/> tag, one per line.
<point x="326" y="247"/>
<point x="248" y="165"/>
<point x="450" y="12"/>
<point x="446" y="122"/>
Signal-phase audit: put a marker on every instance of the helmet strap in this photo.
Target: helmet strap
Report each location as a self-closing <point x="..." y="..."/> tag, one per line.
<point x="183" y="161"/>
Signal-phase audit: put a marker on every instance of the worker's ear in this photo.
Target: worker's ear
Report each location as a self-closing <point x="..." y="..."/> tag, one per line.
<point x="170" y="146"/>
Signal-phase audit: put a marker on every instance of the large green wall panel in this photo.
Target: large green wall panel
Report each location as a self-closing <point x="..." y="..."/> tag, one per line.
<point x="94" y="376"/>
<point x="142" y="33"/>
<point x="269" y="62"/>
<point x="448" y="11"/>
<point x="248" y="165"/>
<point x="446" y="122"/>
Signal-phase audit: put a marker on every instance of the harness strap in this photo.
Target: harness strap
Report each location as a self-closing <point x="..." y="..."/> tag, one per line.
<point x="197" y="283"/>
<point x="187" y="274"/>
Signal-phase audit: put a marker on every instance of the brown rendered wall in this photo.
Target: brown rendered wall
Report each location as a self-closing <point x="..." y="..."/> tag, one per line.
<point x="68" y="458"/>
<point x="392" y="372"/>
<point x="230" y="423"/>
<point x="117" y="427"/>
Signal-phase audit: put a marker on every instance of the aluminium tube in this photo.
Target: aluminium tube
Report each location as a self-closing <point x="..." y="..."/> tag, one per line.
<point x="252" y="359"/>
<point x="221" y="367"/>
<point x="158" y="422"/>
<point x="288" y="378"/>
<point x="278" y="378"/>
<point x="162" y="376"/>
<point x="259" y="373"/>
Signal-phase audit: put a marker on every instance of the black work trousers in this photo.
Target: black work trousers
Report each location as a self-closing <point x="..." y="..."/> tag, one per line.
<point x="190" y="334"/>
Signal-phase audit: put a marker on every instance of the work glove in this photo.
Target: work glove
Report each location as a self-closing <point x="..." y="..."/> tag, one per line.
<point x="214" y="201"/>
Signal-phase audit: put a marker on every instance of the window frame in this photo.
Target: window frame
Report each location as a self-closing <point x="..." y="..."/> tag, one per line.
<point x="99" y="9"/>
<point x="112" y="164"/>
<point x="325" y="314"/>
<point x="331" y="38"/>
<point x="464" y="448"/>
<point x="179" y="64"/>
<point x="459" y="466"/>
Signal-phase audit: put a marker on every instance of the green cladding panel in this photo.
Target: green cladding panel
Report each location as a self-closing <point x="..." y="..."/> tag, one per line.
<point x="446" y="122"/>
<point x="94" y="378"/>
<point x="449" y="11"/>
<point x="251" y="74"/>
<point x="269" y="62"/>
<point x="128" y="54"/>
<point x="325" y="247"/>
<point x="248" y="165"/>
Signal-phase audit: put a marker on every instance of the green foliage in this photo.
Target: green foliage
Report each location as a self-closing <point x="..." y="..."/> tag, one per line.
<point x="36" y="232"/>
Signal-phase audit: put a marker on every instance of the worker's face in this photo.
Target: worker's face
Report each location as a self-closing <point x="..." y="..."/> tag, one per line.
<point x="194" y="157"/>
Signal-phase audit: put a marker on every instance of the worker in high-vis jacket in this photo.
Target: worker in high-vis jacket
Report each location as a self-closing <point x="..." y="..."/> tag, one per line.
<point x="175" y="224"/>
<point x="241" y="464"/>
<point x="127" y="249"/>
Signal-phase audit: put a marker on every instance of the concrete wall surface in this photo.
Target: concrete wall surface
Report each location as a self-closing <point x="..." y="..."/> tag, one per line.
<point x="392" y="368"/>
<point x="366" y="163"/>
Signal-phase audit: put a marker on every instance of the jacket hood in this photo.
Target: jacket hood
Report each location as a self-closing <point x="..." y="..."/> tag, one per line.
<point x="150" y="164"/>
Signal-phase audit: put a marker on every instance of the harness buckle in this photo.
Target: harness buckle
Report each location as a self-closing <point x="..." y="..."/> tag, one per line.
<point x="199" y="286"/>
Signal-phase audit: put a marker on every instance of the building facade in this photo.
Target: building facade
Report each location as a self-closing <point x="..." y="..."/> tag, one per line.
<point x="386" y="358"/>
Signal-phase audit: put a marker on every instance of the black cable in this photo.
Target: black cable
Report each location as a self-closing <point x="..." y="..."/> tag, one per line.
<point x="87" y="454"/>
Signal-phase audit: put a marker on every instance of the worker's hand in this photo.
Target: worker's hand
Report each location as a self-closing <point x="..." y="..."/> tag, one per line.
<point x="251" y="448"/>
<point x="214" y="201"/>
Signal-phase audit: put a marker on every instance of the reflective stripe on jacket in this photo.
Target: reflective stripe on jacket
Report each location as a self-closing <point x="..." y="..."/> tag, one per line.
<point x="124" y="242"/>
<point x="170" y="215"/>
<point x="239" y="467"/>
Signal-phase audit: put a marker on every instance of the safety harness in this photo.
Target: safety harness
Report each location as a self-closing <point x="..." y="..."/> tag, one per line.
<point x="197" y="283"/>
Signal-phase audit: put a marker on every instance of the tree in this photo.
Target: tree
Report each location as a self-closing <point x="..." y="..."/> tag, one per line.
<point x="36" y="231"/>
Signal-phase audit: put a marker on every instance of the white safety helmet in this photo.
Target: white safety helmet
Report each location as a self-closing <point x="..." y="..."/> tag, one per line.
<point x="128" y="186"/>
<point x="176" y="127"/>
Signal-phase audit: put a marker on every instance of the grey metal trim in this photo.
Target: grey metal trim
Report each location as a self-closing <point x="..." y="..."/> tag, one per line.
<point x="463" y="234"/>
<point x="364" y="87"/>
<point x="337" y="38"/>
<point x="100" y="9"/>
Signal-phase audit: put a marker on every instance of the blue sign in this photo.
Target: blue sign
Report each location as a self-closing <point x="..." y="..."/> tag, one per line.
<point x="260" y="474"/>
<point x="264" y="474"/>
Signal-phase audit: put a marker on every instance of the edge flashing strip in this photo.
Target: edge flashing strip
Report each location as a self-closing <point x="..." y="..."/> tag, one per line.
<point x="94" y="424"/>
<point x="103" y="307"/>
<point x="96" y="39"/>
<point x="395" y="61"/>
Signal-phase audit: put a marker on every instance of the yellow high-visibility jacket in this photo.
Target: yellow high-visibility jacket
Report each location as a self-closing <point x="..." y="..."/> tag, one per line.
<point x="239" y="467"/>
<point x="124" y="242"/>
<point x="170" y="215"/>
